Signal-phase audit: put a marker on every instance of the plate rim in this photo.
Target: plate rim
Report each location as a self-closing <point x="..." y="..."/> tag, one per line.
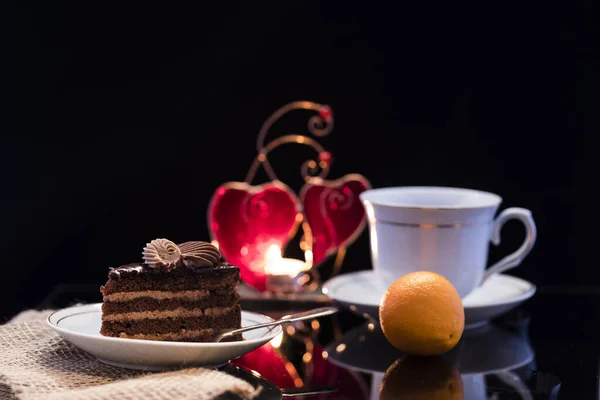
<point x="532" y="288"/>
<point x="96" y="307"/>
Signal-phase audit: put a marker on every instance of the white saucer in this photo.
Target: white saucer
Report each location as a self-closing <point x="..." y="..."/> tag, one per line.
<point x="80" y="325"/>
<point x="361" y="292"/>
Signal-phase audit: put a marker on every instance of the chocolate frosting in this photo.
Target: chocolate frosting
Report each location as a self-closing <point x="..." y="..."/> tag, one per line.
<point x="199" y="254"/>
<point x="161" y="253"/>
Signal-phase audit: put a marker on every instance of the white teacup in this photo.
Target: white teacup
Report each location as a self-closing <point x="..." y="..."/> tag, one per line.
<point x="440" y="229"/>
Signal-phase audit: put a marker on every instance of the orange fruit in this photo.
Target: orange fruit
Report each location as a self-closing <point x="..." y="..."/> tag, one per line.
<point x="422" y="378"/>
<point x="422" y="314"/>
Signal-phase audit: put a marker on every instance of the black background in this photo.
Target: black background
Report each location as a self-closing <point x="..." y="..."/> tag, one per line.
<point x="121" y="121"/>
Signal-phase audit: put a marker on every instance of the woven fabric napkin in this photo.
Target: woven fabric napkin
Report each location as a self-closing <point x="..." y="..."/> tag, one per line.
<point x="36" y="363"/>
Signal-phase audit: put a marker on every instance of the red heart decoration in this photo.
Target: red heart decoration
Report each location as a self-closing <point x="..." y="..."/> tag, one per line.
<point x="246" y="220"/>
<point x="334" y="212"/>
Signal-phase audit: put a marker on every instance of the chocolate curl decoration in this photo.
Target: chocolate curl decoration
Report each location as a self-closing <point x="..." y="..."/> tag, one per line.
<point x="199" y="254"/>
<point x="161" y="253"/>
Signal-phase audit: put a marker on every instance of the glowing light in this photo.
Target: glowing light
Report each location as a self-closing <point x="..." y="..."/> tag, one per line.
<point x="273" y="253"/>
<point x="276" y="341"/>
<point x="306" y="357"/>
<point x="308" y="256"/>
<point x="340" y="347"/>
<point x="215" y="243"/>
<point x="325" y="355"/>
<point x="275" y="264"/>
<point x="255" y="373"/>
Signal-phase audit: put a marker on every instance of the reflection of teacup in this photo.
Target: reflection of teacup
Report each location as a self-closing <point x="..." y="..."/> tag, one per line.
<point x="440" y="229"/>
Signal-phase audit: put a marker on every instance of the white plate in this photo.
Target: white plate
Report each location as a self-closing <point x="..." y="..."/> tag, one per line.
<point x="80" y="325"/>
<point x="361" y="292"/>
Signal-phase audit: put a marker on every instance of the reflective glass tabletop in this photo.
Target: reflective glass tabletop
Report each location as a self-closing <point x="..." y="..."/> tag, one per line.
<point x="546" y="349"/>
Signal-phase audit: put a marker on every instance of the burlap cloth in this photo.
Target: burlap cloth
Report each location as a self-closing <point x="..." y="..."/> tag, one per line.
<point x="36" y="363"/>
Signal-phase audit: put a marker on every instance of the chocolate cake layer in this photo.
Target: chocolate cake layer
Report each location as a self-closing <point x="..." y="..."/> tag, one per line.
<point x="229" y="320"/>
<point x="184" y="295"/>
<point x="172" y="314"/>
<point x="134" y="278"/>
<point x="144" y="303"/>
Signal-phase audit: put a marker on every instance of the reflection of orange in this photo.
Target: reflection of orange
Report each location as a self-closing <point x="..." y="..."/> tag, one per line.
<point x="422" y="378"/>
<point x="422" y="314"/>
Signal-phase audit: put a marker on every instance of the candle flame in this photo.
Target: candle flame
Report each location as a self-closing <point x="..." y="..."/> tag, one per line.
<point x="273" y="253"/>
<point x="273" y="259"/>
<point x="275" y="264"/>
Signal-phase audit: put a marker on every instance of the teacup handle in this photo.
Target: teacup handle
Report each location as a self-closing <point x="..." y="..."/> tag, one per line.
<point x="513" y="259"/>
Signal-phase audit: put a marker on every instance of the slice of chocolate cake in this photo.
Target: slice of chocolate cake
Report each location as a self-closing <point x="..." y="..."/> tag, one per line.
<point x="183" y="292"/>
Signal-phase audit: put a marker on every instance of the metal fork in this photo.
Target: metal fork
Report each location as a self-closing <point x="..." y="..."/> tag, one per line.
<point x="315" y="313"/>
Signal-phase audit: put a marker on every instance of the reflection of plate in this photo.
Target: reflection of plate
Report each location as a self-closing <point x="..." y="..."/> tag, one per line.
<point x="80" y="325"/>
<point x="363" y="349"/>
<point x="268" y="391"/>
<point x="361" y="292"/>
<point x="481" y="351"/>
